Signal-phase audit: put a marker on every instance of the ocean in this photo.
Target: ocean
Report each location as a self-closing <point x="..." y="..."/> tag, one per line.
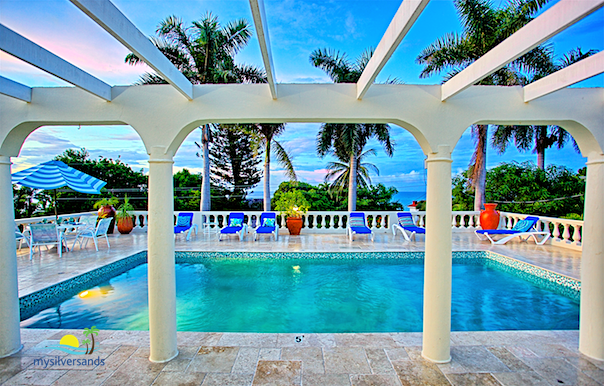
<point x="407" y="198"/>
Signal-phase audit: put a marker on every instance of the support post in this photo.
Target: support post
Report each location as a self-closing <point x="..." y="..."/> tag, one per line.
<point x="161" y="279"/>
<point x="437" y="264"/>
<point x="591" y="326"/>
<point x="10" y="335"/>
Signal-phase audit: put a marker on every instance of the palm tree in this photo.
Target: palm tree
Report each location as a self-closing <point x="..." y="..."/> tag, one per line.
<point x="204" y="53"/>
<point x="339" y="171"/>
<point x="483" y="28"/>
<point x="92" y="331"/>
<point x="86" y="342"/>
<point x="539" y="137"/>
<point x="264" y="135"/>
<point x="347" y="141"/>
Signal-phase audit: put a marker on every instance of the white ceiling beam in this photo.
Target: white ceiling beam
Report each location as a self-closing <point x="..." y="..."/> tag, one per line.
<point x="15" y="89"/>
<point x="265" y="43"/>
<point x="402" y="22"/>
<point x="575" y="73"/>
<point x="556" y="19"/>
<point x="18" y="46"/>
<point x="105" y="14"/>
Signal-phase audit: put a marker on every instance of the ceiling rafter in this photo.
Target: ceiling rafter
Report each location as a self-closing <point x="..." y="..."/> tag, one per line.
<point x="265" y="44"/>
<point x="401" y="23"/>
<point x="553" y="21"/>
<point x="112" y="20"/>
<point x="15" y="89"/>
<point x="20" y="47"/>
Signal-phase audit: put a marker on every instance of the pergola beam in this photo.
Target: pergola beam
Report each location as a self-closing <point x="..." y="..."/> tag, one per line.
<point x="15" y="89"/>
<point x="265" y="43"/>
<point x="556" y="19"/>
<point x="402" y="22"/>
<point x="28" y="51"/>
<point x="105" y="14"/>
<point x="575" y="73"/>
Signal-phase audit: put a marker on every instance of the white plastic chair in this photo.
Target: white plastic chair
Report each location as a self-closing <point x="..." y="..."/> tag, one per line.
<point x="21" y="236"/>
<point x="94" y="234"/>
<point x="45" y="234"/>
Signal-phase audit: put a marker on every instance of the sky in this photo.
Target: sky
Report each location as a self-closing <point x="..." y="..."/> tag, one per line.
<point x="296" y="28"/>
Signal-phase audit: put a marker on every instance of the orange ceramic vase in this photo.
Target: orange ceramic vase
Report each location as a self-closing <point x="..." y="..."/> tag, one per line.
<point x="294" y="225"/>
<point x="489" y="217"/>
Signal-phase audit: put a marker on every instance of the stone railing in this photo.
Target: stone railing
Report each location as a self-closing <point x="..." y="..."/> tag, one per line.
<point x="24" y="222"/>
<point x="564" y="233"/>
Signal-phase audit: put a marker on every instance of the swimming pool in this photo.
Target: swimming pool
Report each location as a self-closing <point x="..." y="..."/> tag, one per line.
<point x="282" y="295"/>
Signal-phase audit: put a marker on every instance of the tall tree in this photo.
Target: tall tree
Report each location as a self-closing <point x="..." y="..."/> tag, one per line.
<point x="484" y="26"/>
<point x="347" y="141"/>
<point x="339" y="171"/>
<point x="539" y="137"/>
<point x="234" y="164"/>
<point x="265" y="135"/>
<point x="204" y="53"/>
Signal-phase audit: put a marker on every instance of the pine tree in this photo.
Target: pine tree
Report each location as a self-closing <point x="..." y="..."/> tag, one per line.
<point x="234" y="166"/>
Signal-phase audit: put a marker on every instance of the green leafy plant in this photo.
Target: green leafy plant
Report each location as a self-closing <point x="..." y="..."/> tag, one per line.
<point x="125" y="210"/>
<point x="111" y="201"/>
<point x="292" y="204"/>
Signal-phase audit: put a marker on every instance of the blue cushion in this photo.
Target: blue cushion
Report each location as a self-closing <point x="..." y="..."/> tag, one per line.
<point x="357" y="222"/>
<point x="235" y="222"/>
<point x="523" y="225"/>
<point x="230" y="230"/>
<point x="268" y="222"/>
<point x="417" y="230"/>
<point x="265" y="229"/>
<point x="361" y="230"/>
<point x="406" y="221"/>
<point x="183" y="221"/>
<point x="497" y="231"/>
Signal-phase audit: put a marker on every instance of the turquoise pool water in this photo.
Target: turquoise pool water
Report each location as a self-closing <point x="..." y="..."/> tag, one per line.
<point x="315" y="295"/>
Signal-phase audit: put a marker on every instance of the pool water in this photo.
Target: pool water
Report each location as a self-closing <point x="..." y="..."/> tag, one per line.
<point x="315" y="295"/>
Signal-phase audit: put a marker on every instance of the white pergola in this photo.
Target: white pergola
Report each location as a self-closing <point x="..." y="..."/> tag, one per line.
<point x="437" y="116"/>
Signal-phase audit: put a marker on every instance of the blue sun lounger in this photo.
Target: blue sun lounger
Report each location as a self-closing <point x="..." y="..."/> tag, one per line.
<point x="236" y="226"/>
<point x="267" y="225"/>
<point x="522" y="228"/>
<point x="184" y="223"/>
<point x="407" y="226"/>
<point x="357" y="225"/>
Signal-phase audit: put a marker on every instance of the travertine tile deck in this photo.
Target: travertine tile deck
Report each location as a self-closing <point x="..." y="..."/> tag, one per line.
<point x="478" y="358"/>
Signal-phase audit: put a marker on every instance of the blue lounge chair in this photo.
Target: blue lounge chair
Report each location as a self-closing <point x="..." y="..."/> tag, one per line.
<point x="522" y="228"/>
<point x="236" y="226"/>
<point x="267" y="225"/>
<point x="357" y="225"/>
<point x="184" y="223"/>
<point x="21" y="236"/>
<point x="407" y="226"/>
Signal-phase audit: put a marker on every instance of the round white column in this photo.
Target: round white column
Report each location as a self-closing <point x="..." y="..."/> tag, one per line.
<point x="437" y="264"/>
<point x="162" y="281"/>
<point x="591" y="326"/>
<point x="10" y="335"/>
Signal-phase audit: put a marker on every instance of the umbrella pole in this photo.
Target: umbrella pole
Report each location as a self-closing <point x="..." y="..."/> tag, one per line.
<point x="55" y="205"/>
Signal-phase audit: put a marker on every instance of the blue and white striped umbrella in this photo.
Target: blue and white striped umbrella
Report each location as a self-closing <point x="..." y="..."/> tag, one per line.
<point x="56" y="174"/>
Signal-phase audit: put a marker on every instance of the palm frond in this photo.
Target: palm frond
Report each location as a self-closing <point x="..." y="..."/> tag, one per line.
<point x="284" y="160"/>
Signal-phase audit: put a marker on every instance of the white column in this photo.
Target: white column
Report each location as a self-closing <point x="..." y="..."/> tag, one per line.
<point x="10" y="336"/>
<point x="591" y="327"/>
<point x="437" y="264"/>
<point x="162" y="281"/>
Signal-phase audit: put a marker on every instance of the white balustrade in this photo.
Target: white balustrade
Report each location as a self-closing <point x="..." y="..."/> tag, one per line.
<point x="559" y="228"/>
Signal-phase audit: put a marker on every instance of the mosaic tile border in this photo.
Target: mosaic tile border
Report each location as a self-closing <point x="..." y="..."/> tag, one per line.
<point x="31" y="304"/>
<point x="37" y="301"/>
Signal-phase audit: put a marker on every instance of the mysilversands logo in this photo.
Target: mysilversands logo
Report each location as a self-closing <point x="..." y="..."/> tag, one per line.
<point x="71" y="345"/>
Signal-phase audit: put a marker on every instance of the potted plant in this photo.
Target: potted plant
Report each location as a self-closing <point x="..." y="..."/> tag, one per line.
<point x="293" y="205"/>
<point x="106" y="209"/>
<point x="124" y="217"/>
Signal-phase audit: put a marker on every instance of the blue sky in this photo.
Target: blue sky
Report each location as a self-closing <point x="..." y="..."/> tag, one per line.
<point x="296" y="28"/>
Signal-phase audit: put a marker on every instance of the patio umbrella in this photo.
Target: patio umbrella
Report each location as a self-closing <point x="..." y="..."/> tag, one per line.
<point x="56" y="174"/>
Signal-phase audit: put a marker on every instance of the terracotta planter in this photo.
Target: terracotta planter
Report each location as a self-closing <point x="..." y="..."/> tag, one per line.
<point x="125" y="225"/>
<point x="489" y="217"/>
<point x="294" y="225"/>
<point x="108" y="211"/>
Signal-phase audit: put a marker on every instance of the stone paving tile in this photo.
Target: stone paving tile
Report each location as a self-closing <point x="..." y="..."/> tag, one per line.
<point x="521" y="379"/>
<point x="414" y="353"/>
<point x="374" y="380"/>
<point x="473" y="379"/>
<point x="79" y="378"/>
<point x="131" y="338"/>
<point x="397" y="354"/>
<point x="246" y="360"/>
<point x="311" y="358"/>
<point x="521" y="351"/>
<point x="278" y="373"/>
<point x="198" y="339"/>
<point x="452" y="367"/>
<point x="558" y="371"/>
<point x="248" y="340"/>
<point x="507" y="358"/>
<point x="35" y="377"/>
<point x="269" y="354"/>
<point x="588" y="367"/>
<point x="325" y="379"/>
<point x="118" y="357"/>
<point x="346" y="360"/>
<point x="551" y="350"/>
<point x="365" y="340"/>
<point x="227" y="380"/>
<point x="407" y="338"/>
<point x="178" y="364"/>
<point x="36" y="335"/>
<point x="477" y="359"/>
<point x="306" y="340"/>
<point x="11" y="366"/>
<point x="214" y="360"/>
<point x="378" y="361"/>
<point x="420" y="373"/>
<point x="181" y="379"/>
<point x="135" y="371"/>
